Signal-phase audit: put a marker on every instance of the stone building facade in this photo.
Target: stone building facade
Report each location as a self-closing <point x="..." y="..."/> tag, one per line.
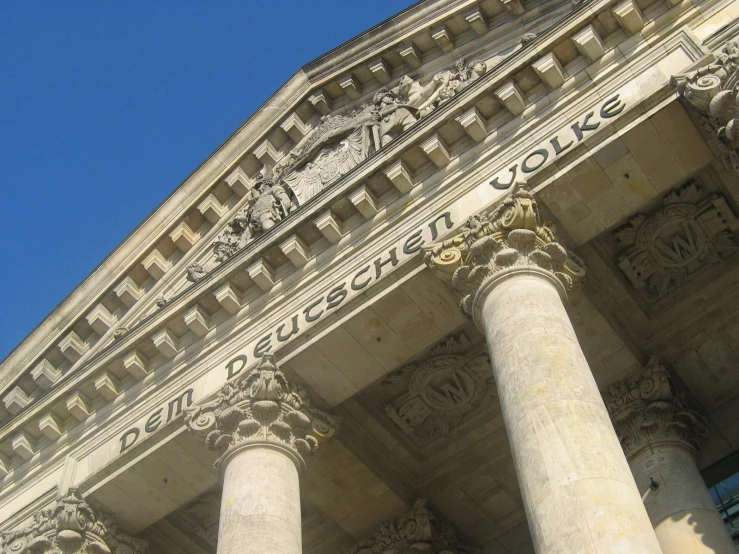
<point x="466" y="284"/>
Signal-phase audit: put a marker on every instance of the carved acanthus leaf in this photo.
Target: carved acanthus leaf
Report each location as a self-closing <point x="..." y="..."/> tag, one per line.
<point x="72" y="527"/>
<point x="654" y="409"/>
<point x="432" y="397"/>
<point x="662" y="250"/>
<point x="510" y="236"/>
<point x="261" y="407"/>
<point x="712" y="93"/>
<point x="420" y="530"/>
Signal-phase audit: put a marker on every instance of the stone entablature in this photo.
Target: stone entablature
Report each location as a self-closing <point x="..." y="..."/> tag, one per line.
<point x="133" y="349"/>
<point x="71" y="527"/>
<point x="654" y="409"/>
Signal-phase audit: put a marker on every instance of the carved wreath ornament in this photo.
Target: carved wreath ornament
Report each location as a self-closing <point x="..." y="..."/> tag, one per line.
<point x="692" y="230"/>
<point x="261" y="407"/>
<point x="511" y="236"/>
<point x="433" y="396"/>
<point x="72" y="527"/>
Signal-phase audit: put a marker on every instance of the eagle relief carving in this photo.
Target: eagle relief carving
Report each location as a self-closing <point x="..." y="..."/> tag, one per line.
<point x="332" y="149"/>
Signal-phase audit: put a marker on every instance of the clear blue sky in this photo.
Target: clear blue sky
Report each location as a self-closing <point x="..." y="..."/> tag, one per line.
<point x="106" y="107"/>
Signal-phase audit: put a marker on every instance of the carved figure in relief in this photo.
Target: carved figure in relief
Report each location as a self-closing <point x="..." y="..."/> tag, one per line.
<point x="331" y="150"/>
<point x="268" y="202"/>
<point x="402" y="106"/>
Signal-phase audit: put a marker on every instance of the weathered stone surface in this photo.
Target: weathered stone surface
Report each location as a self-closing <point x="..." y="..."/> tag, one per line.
<point x="420" y="530"/>
<point x="71" y="527"/>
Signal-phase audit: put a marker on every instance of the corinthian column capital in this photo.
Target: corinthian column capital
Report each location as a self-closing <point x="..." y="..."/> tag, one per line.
<point x="72" y="526"/>
<point x="711" y="93"/>
<point x="261" y="408"/>
<point x="654" y="410"/>
<point x="510" y="239"/>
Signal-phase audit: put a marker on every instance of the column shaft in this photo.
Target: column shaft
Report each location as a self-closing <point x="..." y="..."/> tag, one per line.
<point x="683" y="514"/>
<point x="260" y="507"/>
<point x="578" y="491"/>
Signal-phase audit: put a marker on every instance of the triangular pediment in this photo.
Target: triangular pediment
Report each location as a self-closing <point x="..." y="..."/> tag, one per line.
<point x="339" y="152"/>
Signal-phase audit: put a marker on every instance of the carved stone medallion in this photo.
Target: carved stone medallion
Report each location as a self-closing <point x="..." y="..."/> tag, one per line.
<point x="662" y="250"/>
<point x="420" y="530"/>
<point x="433" y="396"/>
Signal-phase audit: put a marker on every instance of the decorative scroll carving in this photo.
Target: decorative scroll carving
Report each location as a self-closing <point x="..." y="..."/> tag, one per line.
<point x="433" y="396"/>
<point x="420" y="530"/>
<point x="511" y="236"/>
<point x="72" y="527"/>
<point x="661" y="251"/>
<point x="654" y="409"/>
<point x="335" y="147"/>
<point x="712" y="92"/>
<point x="261" y="407"/>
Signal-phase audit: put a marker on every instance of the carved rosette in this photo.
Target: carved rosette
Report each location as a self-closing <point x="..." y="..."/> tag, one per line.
<point x="433" y="396"/>
<point x="261" y="407"/>
<point x="420" y="530"/>
<point x="654" y="410"/>
<point x="72" y="527"/>
<point x="712" y="92"/>
<point x="510" y="238"/>
<point x="662" y="250"/>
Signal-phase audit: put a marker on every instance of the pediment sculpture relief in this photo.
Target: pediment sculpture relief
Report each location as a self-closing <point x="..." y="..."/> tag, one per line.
<point x="332" y="149"/>
<point x="713" y="94"/>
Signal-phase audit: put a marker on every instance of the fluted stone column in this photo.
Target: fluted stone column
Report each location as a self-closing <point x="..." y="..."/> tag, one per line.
<point x="578" y="491"/>
<point x="264" y="426"/>
<point x="660" y="432"/>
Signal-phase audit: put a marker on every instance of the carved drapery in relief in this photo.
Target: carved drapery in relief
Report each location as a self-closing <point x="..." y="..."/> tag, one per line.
<point x="713" y="94"/>
<point x="420" y="530"/>
<point x="72" y="527"/>
<point x="511" y="236"/>
<point x="261" y="407"/>
<point x="431" y="397"/>
<point x="332" y="149"/>
<point x="654" y="409"/>
<point x="662" y="250"/>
